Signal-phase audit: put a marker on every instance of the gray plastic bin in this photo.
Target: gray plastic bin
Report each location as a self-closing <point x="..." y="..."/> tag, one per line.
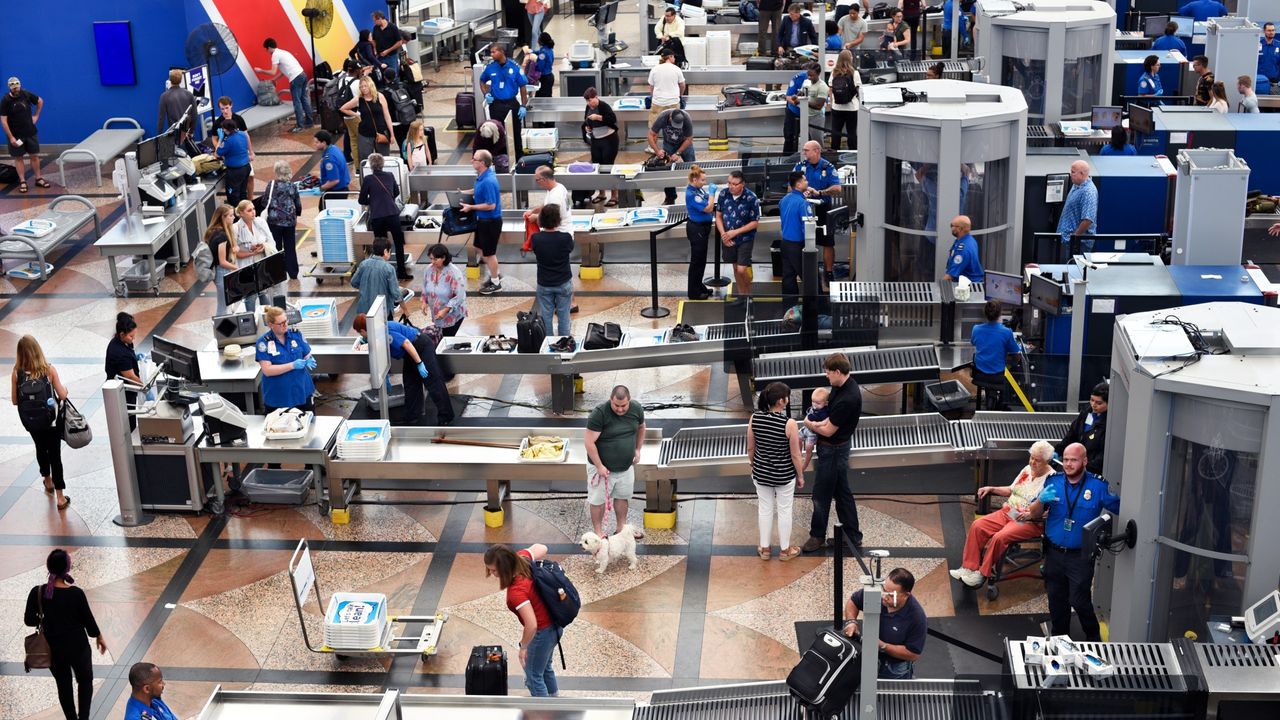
<point x="949" y="395"/>
<point x="277" y="487"/>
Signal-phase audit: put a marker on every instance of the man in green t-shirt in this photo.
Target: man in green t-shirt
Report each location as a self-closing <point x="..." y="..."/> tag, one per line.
<point x="615" y="432"/>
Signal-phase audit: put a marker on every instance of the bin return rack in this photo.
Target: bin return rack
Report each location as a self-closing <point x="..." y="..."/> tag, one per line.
<point x="302" y="580"/>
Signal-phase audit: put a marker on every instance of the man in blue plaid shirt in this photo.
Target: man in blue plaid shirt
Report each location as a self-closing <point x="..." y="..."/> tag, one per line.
<point x="1080" y="211"/>
<point x="737" y="217"/>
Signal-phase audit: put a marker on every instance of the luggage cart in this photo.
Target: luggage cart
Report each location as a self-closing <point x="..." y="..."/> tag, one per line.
<point x="342" y="266"/>
<point x="302" y="579"/>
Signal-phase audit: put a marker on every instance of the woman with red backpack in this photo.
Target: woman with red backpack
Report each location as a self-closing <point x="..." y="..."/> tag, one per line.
<point x="37" y="391"/>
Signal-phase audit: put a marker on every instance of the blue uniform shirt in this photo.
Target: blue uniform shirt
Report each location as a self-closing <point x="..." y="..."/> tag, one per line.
<point x="294" y="387"/>
<point x="1149" y="84"/>
<point x="962" y="259"/>
<point x="736" y="212"/>
<point x="793" y="209"/>
<point x="546" y="61"/>
<point x="1082" y="502"/>
<point x="397" y="333"/>
<point x="487" y="191"/>
<point x="695" y="199"/>
<point x="234" y="150"/>
<point x="1202" y="10"/>
<point x="1269" y="58"/>
<point x="1082" y="203"/>
<point x="1169" y="42"/>
<point x="992" y="341"/>
<point x="157" y="710"/>
<point x="1128" y="149"/>
<point x="794" y="88"/>
<point x="333" y="166"/>
<point x="821" y="176"/>
<point x="504" y="80"/>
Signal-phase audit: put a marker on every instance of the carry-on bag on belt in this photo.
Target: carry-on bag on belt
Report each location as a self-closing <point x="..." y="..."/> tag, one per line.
<point x="530" y="332"/>
<point x="827" y="675"/>
<point x="486" y="672"/>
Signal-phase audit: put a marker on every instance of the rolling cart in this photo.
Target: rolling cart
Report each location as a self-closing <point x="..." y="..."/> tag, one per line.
<point x="302" y="579"/>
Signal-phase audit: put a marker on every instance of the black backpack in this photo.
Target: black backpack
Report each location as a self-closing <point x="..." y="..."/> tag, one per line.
<point x="337" y="92"/>
<point x="33" y="403"/>
<point x="530" y="332"/>
<point x="558" y="595"/>
<point x="843" y="89"/>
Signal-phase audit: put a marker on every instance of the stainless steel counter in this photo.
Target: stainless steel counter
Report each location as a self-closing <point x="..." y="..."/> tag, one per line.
<point x="254" y="705"/>
<point x="238" y="380"/>
<point x="311" y="449"/>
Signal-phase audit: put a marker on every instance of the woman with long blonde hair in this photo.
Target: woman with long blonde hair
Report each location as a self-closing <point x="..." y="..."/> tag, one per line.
<point x="220" y="237"/>
<point x="416" y="151"/>
<point x="40" y="417"/>
<point x="845" y="82"/>
<point x="374" y="134"/>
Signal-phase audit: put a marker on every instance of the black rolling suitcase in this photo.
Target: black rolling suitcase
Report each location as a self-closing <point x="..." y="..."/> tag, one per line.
<point x="464" y="110"/>
<point x="487" y="671"/>
<point x="827" y="675"/>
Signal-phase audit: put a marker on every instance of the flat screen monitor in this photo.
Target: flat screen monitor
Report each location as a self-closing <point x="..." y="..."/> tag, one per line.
<point x="1105" y="117"/>
<point x="1003" y="287"/>
<point x="1045" y="294"/>
<point x="270" y="272"/>
<point x="1141" y="119"/>
<point x="166" y="147"/>
<point x="176" y="360"/>
<point x="1199" y="28"/>
<point x="148" y="153"/>
<point x="241" y="283"/>
<point x="606" y="14"/>
<point x="1185" y="25"/>
<point x="1154" y="25"/>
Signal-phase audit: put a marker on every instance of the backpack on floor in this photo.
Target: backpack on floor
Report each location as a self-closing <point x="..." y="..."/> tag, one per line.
<point x="33" y="403"/>
<point x="8" y="175"/>
<point x="267" y="94"/>
<point x="558" y="595"/>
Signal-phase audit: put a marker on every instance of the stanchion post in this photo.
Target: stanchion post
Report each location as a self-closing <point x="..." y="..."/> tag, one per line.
<point x="654" y="310"/>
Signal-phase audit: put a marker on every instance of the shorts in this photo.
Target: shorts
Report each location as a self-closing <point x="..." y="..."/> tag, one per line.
<point x="739" y="253"/>
<point x="487" y="233"/>
<point x="622" y="483"/>
<point x="29" y="146"/>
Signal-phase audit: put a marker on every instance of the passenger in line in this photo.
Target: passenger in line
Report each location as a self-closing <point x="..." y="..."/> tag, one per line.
<point x="773" y="444"/>
<point x="990" y="535"/>
<point x="61" y="610"/>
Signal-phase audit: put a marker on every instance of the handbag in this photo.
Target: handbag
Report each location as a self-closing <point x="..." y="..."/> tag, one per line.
<point x="36" y="644"/>
<point x="399" y="200"/>
<point x="262" y="202"/>
<point x="601" y="336"/>
<point x="75" y="428"/>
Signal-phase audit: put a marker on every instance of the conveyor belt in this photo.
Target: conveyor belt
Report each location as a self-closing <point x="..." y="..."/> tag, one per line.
<point x="885" y="292"/>
<point x="709" y="165"/>
<point x="902" y="432"/>
<point x="723" y="442"/>
<point x="990" y="429"/>
<point x="1140" y="668"/>
<point x="951" y="69"/>
<point x="804" y="369"/>
<point x="896" y="700"/>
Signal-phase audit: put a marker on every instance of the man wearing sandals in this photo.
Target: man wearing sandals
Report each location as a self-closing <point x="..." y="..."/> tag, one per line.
<point x="19" y="113"/>
<point x="615" y="433"/>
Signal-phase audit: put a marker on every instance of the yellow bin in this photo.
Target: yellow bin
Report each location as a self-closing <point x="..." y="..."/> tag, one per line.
<point x="660" y="520"/>
<point x="493" y="518"/>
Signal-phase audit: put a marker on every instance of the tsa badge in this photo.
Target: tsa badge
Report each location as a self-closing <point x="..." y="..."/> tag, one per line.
<point x="1088" y="494"/>
<point x="262" y="346"/>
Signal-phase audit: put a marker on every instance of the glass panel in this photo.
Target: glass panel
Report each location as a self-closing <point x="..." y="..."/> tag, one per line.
<point x="1027" y="76"/>
<point x="1208" y="504"/>
<point x="909" y="257"/>
<point x="1081" y="86"/>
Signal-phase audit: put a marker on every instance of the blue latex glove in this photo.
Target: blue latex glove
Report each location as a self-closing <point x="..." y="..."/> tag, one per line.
<point x="151" y="396"/>
<point x="387" y="382"/>
<point x="522" y="112"/>
<point x="422" y="371"/>
<point x="488" y="98"/>
<point x="53" y="403"/>
<point x="711" y="190"/>
<point x="299" y="364"/>
<point x="140" y="356"/>
<point x="311" y="363"/>
<point x="1048" y="495"/>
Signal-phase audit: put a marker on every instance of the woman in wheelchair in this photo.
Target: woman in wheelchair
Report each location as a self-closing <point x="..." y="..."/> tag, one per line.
<point x="992" y="533"/>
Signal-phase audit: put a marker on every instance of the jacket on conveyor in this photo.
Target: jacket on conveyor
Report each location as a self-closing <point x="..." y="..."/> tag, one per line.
<point x="1093" y="440"/>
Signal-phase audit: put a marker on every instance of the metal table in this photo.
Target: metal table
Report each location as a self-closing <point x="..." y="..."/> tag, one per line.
<point x="392" y="704"/>
<point x="232" y="378"/>
<point x="311" y="450"/>
<point x="132" y="237"/>
<point x="459" y="30"/>
<point x="709" y="120"/>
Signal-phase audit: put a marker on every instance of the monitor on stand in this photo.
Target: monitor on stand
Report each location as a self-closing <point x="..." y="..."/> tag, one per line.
<point x="180" y="364"/>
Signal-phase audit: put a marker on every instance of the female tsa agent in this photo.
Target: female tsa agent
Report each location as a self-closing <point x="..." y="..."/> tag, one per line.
<point x="286" y="363"/>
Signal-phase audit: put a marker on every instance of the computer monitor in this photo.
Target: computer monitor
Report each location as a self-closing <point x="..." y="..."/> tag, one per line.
<point x="148" y="153"/>
<point x="240" y="284"/>
<point x="1141" y="119"/>
<point x="270" y="272"/>
<point x="1003" y="287"/>
<point x="1199" y="28"/>
<point x="606" y="14"/>
<point x="1184" y="25"/>
<point x="176" y="360"/>
<point x="1105" y="117"/>
<point x="1154" y="25"/>
<point x="1262" y="619"/>
<point x="166" y="147"/>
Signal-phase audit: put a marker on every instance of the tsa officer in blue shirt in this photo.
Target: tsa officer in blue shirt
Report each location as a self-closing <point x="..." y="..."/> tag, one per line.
<point x="962" y="260"/>
<point x="285" y="358"/>
<point x="791" y="121"/>
<point x="421" y="369"/>
<point x="992" y="343"/>
<point x="824" y="184"/>
<point x="334" y="175"/>
<point x="1149" y="84"/>
<point x="147" y="684"/>
<point x="700" y="200"/>
<point x="1069" y="501"/>
<point x="501" y="81"/>
<point x="1170" y="40"/>
<point x="793" y="210"/>
<point x="1202" y="10"/>
<point x="1269" y="53"/>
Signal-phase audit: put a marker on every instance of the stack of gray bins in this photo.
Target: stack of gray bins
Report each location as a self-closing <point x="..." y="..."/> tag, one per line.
<point x="277" y="487"/>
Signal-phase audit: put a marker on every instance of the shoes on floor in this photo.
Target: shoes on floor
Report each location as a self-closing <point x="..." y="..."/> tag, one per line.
<point x="406" y="275"/>
<point x="298" y="128"/>
<point x="491" y="286"/>
<point x="573" y="310"/>
<point x="701" y="296"/>
<point x="813" y="544"/>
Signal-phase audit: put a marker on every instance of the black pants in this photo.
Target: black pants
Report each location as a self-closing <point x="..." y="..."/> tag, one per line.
<point x="1068" y="581"/>
<point x="699" y="232"/>
<point x="604" y="150"/>
<point x="237" y="184"/>
<point x="913" y="22"/>
<point x="64" y="663"/>
<point x="49" y="453"/>
<point x="499" y="110"/>
<point x="846" y="120"/>
<point x="435" y="387"/>
<point x="790" y="133"/>
<point x="831" y="479"/>
<point x="545" y="85"/>
<point x="792" y="270"/>
<point x="993" y="386"/>
<point x="451" y="330"/>
<point x="287" y="240"/>
<point x="390" y="226"/>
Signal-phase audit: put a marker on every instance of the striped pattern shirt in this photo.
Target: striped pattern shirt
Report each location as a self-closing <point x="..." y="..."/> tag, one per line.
<point x="771" y="464"/>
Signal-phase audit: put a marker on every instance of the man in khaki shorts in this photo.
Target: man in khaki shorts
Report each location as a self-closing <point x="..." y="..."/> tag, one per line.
<point x="615" y="433"/>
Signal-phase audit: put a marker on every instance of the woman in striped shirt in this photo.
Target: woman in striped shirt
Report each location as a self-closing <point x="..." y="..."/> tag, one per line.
<point x="773" y="444"/>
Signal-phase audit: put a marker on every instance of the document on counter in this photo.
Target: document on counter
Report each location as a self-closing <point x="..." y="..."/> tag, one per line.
<point x="153" y="221"/>
<point x="198" y="187"/>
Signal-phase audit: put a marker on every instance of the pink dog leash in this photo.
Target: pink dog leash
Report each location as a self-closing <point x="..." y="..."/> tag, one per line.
<point x="596" y="479"/>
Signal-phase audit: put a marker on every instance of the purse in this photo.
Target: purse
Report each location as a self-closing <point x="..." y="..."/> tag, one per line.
<point x="36" y="645"/>
<point x="602" y="336"/>
<point x="399" y="200"/>
<point x="75" y="428"/>
<point x="262" y="202"/>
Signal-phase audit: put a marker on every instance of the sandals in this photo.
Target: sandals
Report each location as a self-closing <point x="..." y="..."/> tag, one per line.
<point x="764" y="553"/>
<point x="48" y="485"/>
<point x="66" y="500"/>
<point x="22" y="187"/>
<point x="789" y="554"/>
<point x="42" y="183"/>
<point x="639" y="534"/>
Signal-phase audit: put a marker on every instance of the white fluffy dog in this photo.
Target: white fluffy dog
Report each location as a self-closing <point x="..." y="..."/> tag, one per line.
<point x="605" y="550"/>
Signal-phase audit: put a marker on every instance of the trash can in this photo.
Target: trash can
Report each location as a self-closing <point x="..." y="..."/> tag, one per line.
<point x="277" y="487"/>
<point x="947" y="396"/>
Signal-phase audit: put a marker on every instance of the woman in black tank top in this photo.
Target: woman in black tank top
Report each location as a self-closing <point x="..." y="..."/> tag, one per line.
<point x="773" y="444"/>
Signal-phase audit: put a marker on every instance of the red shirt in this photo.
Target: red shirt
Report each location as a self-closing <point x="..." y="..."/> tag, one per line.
<point x="522" y="591"/>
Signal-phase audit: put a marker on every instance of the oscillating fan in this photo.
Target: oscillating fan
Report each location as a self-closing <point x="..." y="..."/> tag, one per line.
<point x="319" y="16"/>
<point x="212" y="44"/>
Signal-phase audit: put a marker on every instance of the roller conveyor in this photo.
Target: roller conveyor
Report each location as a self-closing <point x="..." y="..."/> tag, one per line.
<point x="870" y="366"/>
<point x="996" y="430"/>
<point x="904" y="312"/>
<point x="702" y="108"/>
<point x="896" y="700"/>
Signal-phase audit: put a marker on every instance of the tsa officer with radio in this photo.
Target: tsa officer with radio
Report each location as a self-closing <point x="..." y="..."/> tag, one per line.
<point x="1069" y="501"/>
<point x="824" y="185"/>
<point x="501" y="80"/>
<point x="285" y="358"/>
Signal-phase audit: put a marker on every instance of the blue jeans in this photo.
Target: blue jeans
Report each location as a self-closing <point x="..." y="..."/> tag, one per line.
<point x="250" y="304"/>
<point x="539" y="666"/>
<point x="554" y="301"/>
<point x="302" y="113"/>
<point x="895" y="669"/>
<point x="535" y="24"/>
<point x="392" y="62"/>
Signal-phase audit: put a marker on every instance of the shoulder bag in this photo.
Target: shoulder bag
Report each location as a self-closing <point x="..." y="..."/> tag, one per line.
<point x="398" y="200"/>
<point x="75" y="429"/>
<point x="263" y="201"/>
<point x="36" y="644"/>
